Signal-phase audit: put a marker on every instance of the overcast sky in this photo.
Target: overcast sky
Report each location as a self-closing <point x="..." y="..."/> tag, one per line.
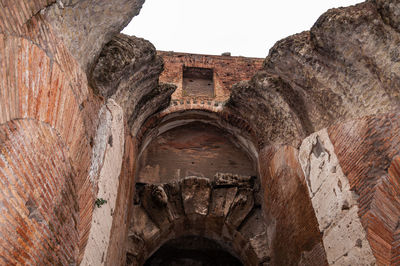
<point x="248" y="28"/>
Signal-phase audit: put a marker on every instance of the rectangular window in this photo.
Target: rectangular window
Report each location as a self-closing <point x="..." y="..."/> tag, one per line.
<point x="198" y="82"/>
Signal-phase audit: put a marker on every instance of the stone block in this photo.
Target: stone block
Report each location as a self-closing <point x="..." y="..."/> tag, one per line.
<point x="174" y="195"/>
<point x="346" y="241"/>
<point x="142" y="225"/>
<point x="241" y="206"/>
<point x="328" y="187"/>
<point x="196" y="195"/>
<point x="221" y="201"/>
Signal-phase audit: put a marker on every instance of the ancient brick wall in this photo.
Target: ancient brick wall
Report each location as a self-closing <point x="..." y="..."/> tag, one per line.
<point x="38" y="194"/>
<point x="226" y="71"/>
<point x="224" y="208"/>
<point x="57" y="145"/>
<point x="43" y="82"/>
<point x="192" y="150"/>
<point x="290" y="218"/>
<point x="367" y="150"/>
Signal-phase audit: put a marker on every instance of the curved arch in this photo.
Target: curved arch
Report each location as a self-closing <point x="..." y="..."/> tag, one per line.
<point x="223" y="210"/>
<point x="173" y="117"/>
<point x="192" y="147"/>
<point x="34" y="87"/>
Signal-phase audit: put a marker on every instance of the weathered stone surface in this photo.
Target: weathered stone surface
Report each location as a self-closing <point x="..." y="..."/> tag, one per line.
<point x="122" y="58"/>
<point x="155" y="203"/>
<point x="221" y="201"/>
<point x="292" y="228"/>
<point x="127" y="71"/>
<point x="116" y="253"/>
<point x="135" y="246"/>
<point x="366" y="148"/>
<point x="227" y="180"/>
<point x="241" y="206"/>
<point x="344" y="67"/>
<point x="255" y="223"/>
<point x="141" y="225"/>
<point x="108" y="182"/>
<point x="85" y="26"/>
<point x="267" y="112"/>
<point x="260" y="246"/>
<point x="328" y="187"/>
<point x="389" y="11"/>
<point x="175" y="203"/>
<point x="334" y="203"/>
<point x="196" y="195"/>
<point x="198" y="207"/>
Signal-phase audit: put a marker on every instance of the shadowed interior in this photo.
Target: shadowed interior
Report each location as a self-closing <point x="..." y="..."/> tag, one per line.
<point x="193" y="251"/>
<point x="195" y="149"/>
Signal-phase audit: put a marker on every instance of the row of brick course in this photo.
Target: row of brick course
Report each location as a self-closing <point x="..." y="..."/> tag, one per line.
<point x="38" y="194"/>
<point x="15" y="13"/>
<point x="33" y="87"/>
<point x="40" y="79"/>
<point x="366" y="149"/>
<point x="228" y="70"/>
<point x="288" y="206"/>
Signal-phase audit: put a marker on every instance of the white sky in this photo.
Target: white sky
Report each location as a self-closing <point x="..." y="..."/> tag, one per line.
<point x="243" y="27"/>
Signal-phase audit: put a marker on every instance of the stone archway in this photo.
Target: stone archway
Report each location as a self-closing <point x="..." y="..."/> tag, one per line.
<point x="222" y="203"/>
<point x="344" y="69"/>
<point x="225" y="209"/>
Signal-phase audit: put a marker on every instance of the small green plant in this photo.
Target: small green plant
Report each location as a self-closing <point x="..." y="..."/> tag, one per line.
<point x="99" y="202"/>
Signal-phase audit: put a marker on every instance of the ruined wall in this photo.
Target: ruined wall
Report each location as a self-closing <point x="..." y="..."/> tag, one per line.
<point x="373" y="142"/>
<point x="291" y="224"/>
<point x="342" y="77"/>
<point x="224" y="208"/>
<point x="192" y="150"/>
<point x="38" y="195"/>
<point x="127" y="71"/>
<point x="343" y="69"/>
<point x="44" y="80"/>
<point x="85" y="26"/>
<point x="227" y="70"/>
<point x="41" y="81"/>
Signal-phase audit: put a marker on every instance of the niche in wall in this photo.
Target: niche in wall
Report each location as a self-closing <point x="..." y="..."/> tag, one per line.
<point x="198" y="82"/>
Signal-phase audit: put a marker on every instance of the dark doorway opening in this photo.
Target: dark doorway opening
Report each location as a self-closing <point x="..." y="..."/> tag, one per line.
<point x="192" y="251"/>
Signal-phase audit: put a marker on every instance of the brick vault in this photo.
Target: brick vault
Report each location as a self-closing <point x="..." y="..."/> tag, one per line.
<point x="113" y="153"/>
